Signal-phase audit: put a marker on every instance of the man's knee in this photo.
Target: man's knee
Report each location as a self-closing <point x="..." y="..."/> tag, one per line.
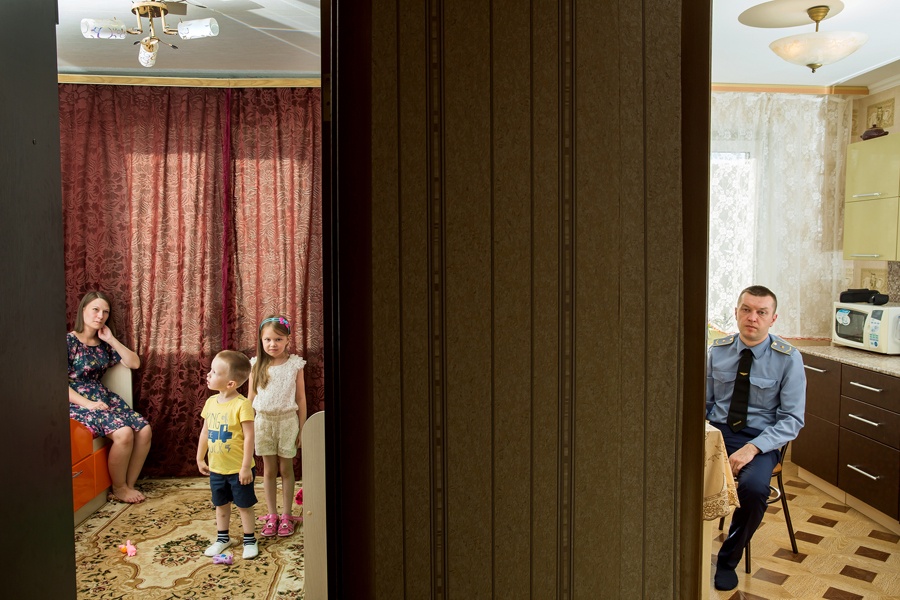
<point x="753" y="491"/>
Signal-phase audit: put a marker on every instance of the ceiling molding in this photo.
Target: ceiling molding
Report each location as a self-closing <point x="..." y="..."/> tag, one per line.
<point x="885" y="84"/>
<point x="837" y="90"/>
<point x="191" y="81"/>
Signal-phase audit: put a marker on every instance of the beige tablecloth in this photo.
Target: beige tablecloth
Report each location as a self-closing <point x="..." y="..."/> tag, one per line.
<point x="719" y="493"/>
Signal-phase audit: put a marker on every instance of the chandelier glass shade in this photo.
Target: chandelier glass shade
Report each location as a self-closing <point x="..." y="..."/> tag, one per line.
<point x="814" y="50"/>
<point x="113" y="29"/>
<point x="820" y="48"/>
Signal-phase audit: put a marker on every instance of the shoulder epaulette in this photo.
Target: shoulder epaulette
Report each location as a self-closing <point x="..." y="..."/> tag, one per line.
<point x="724" y="341"/>
<point x="782" y="346"/>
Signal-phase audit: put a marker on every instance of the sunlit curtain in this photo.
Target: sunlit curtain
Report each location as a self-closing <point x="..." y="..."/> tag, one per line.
<point x="276" y="145"/>
<point x="151" y="217"/>
<point x="776" y="192"/>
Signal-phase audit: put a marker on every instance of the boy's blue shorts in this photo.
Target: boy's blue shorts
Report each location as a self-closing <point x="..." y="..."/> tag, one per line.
<point x="228" y="488"/>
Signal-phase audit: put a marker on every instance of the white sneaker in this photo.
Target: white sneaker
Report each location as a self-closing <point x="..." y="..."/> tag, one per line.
<point x="217" y="547"/>
<point x="251" y="550"/>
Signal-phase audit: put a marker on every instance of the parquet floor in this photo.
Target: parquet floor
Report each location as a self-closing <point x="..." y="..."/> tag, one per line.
<point x="843" y="554"/>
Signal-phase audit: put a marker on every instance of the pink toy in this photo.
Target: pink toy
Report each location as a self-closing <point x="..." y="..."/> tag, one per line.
<point x="128" y="548"/>
<point x="299" y="497"/>
<point x="223" y="559"/>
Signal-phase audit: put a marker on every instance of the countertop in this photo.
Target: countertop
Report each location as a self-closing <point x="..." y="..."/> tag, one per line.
<point x="882" y="363"/>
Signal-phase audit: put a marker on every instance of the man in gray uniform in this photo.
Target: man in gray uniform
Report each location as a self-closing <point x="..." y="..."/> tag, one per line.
<point x="756" y="396"/>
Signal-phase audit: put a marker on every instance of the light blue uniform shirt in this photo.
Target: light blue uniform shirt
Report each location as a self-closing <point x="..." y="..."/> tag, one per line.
<point x="777" y="402"/>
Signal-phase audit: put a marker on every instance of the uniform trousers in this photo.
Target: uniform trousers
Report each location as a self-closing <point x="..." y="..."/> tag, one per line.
<point x="752" y="490"/>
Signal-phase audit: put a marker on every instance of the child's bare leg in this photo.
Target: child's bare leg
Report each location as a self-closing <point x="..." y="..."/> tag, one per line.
<point x="119" y="456"/>
<point x="270" y="483"/>
<point x="287" y="483"/>
<point x="223" y="517"/>
<point x="248" y="520"/>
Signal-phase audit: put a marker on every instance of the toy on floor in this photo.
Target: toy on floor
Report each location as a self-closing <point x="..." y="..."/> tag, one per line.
<point x="299" y="497"/>
<point x="223" y="559"/>
<point x="128" y="548"/>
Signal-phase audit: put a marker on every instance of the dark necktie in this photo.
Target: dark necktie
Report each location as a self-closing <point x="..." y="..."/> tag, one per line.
<point x="737" y="414"/>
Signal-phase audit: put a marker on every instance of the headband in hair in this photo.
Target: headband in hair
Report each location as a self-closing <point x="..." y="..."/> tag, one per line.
<point x="281" y="320"/>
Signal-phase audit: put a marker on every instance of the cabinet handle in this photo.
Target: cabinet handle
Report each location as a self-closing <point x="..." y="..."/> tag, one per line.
<point x="872" y="477"/>
<point x="814" y="369"/>
<point x="870" y="195"/>
<point x="866" y="255"/>
<point x="866" y="421"/>
<point x="865" y="387"/>
<point x="74" y="475"/>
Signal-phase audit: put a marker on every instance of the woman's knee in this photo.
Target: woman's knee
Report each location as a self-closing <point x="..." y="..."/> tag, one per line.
<point x="123" y="435"/>
<point x="144" y="434"/>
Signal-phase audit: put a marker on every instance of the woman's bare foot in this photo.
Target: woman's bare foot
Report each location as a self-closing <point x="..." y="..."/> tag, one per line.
<point x="127" y="494"/>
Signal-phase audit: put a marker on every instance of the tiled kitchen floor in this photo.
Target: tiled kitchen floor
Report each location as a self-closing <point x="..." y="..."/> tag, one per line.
<point x="843" y="554"/>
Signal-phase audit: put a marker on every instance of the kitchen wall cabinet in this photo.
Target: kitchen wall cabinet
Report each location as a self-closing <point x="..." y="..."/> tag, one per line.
<point x="872" y="200"/>
<point x="873" y="169"/>
<point x="870" y="229"/>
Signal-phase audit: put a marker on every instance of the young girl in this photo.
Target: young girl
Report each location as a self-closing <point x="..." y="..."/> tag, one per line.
<point x="279" y="398"/>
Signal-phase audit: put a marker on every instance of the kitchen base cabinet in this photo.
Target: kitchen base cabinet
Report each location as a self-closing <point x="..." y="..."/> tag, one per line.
<point x="870" y="471"/>
<point x="816" y="448"/>
<point x="850" y="443"/>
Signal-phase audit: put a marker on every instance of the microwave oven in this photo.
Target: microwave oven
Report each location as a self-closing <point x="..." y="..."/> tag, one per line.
<point x="871" y="327"/>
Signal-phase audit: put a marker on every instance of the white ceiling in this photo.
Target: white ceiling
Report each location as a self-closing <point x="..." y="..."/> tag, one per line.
<point x="257" y="38"/>
<point x="741" y="54"/>
<point x="282" y="38"/>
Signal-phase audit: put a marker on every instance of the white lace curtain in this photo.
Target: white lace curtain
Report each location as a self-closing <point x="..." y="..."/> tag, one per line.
<point x="776" y="205"/>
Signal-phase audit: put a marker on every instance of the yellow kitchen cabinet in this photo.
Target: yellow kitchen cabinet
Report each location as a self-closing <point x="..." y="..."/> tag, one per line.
<point x="873" y="169"/>
<point x="870" y="229"/>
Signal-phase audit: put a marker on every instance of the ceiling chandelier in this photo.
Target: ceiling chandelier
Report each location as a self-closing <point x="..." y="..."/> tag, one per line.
<point x="814" y="50"/>
<point x="113" y="29"/>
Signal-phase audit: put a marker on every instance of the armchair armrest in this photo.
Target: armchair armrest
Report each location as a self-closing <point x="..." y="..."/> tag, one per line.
<point x="118" y="380"/>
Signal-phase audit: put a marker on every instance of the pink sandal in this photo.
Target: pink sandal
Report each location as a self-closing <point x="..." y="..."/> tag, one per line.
<point x="271" y="523"/>
<point x="286" y="525"/>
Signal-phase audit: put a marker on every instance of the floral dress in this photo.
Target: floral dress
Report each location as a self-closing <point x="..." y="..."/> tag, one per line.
<point x="87" y="364"/>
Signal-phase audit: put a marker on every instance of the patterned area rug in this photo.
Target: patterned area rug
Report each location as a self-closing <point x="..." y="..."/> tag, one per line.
<point x="170" y="530"/>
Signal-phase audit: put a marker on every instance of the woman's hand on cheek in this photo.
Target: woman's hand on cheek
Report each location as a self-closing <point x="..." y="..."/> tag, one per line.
<point x="105" y="334"/>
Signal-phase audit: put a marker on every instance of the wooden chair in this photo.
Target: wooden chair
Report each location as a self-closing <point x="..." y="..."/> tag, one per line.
<point x="775" y="494"/>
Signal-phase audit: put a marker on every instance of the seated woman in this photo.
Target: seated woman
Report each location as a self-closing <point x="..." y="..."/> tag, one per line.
<point x="92" y="349"/>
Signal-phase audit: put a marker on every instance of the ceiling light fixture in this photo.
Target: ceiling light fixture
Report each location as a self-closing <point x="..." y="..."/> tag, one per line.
<point x="113" y="29"/>
<point x="814" y="50"/>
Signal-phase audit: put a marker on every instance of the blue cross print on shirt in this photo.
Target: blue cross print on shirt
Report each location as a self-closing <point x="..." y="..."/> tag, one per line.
<point x="220" y="435"/>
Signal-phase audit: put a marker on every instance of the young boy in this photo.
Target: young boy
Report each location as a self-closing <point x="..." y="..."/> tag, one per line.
<point x="227" y="434"/>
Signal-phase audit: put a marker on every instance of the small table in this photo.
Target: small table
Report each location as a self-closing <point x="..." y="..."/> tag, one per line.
<point x="719" y="494"/>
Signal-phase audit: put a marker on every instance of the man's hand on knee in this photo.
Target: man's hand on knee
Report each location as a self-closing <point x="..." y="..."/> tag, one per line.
<point x="740" y="458"/>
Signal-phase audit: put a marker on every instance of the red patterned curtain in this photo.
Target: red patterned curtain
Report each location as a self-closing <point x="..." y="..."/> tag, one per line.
<point x="162" y="188"/>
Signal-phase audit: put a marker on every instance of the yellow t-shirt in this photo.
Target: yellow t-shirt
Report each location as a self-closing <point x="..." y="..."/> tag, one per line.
<point x="226" y="435"/>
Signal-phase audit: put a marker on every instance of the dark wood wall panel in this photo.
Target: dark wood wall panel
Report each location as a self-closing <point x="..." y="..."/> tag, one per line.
<point x="415" y="313"/>
<point x="388" y="413"/>
<point x="545" y="349"/>
<point x="35" y="440"/>
<point x="663" y="202"/>
<point x="528" y="300"/>
<point x="513" y="315"/>
<point x="467" y="283"/>
<point x="602" y="551"/>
